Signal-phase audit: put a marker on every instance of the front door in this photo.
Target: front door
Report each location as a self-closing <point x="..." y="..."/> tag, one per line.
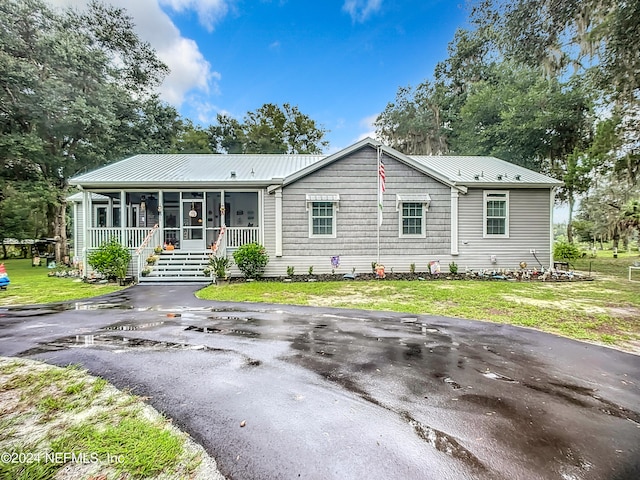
<point x="192" y="225"/>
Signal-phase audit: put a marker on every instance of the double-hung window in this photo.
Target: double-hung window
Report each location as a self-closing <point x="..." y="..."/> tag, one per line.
<point x="322" y="214"/>
<point x="496" y="214"/>
<point x="412" y="209"/>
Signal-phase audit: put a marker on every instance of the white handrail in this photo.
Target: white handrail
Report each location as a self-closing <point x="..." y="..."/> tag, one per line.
<point x="147" y="238"/>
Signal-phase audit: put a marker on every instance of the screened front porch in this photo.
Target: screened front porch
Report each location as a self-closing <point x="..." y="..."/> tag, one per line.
<point x="186" y="220"/>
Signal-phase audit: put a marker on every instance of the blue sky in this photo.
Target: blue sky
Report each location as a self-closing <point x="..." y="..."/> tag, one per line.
<point x="339" y="61"/>
<point x="340" y="67"/>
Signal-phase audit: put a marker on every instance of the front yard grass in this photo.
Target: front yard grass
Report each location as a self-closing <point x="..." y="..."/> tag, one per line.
<point x="63" y="423"/>
<point x="31" y="285"/>
<point x="606" y="310"/>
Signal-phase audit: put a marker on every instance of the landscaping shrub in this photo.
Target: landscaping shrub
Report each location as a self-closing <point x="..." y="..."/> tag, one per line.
<point x="111" y="259"/>
<point x="251" y="259"/>
<point x="566" y="251"/>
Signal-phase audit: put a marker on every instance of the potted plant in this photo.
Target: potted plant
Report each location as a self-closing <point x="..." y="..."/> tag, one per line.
<point x="220" y="266"/>
<point x="157" y="250"/>
<point x="145" y="271"/>
<point x="152" y="259"/>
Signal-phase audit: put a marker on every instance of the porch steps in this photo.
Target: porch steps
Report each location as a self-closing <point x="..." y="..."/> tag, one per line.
<point x="179" y="267"/>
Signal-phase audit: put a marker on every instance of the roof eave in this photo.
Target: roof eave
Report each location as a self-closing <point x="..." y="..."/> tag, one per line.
<point x="176" y="185"/>
<point x="502" y="185"/>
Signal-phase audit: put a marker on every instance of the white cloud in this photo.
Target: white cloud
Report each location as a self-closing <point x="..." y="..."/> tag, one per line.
<point x="190" y="70"/>
<point x="367" y="124"/>
<point x="361" y="10"/>
<point x="209" y="12"/>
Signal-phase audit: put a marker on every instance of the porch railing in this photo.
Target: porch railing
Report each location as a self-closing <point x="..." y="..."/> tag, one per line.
<point x="130" y="237"/>
<point x="238" y="236"/>
<point x="146" y="247"/>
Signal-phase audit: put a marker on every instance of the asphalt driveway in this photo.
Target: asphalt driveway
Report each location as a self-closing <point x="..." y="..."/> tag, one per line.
<point x="329" y="393"/>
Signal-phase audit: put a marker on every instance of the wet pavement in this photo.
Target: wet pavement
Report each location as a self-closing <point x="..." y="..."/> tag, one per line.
<point x="330" y="393"/>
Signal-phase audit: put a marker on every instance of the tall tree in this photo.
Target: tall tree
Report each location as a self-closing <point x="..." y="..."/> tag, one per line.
<point x="269" y="129"/>
<point x="191" y="139"/>
<point x="413" y="123"/>
<point x="71" y="84"/>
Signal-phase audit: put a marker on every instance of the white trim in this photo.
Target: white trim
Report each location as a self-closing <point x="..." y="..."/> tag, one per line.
<point x="278" y="200"/>
<point x="454" y="221"/>
<point x="423" y="198"/>
<point x="326" y="197"/>
<point x="485" y="194"/>
<point x="86" y="207"/>
<point x="334" y="210"/>
<point x="552" y="199"/>
<point x="423" y="223"/>
<point x="123" y="214"/>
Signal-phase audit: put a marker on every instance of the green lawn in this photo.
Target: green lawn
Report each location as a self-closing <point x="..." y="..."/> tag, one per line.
<point x="606" y="310"/>
<point x="64" y="411"/>
<point x="33" y="285"/>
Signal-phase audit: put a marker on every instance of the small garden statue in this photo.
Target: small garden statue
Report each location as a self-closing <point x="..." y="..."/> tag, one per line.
<point x="379" y="271"/>
<point x="4" y="278"/>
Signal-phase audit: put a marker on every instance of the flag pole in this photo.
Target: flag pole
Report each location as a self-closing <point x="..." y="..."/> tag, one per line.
<point x="379" y="203"/>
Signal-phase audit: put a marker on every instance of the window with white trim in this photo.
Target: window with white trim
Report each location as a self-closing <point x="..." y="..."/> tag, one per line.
<point x="496" y="214"/>
<point x="412" y="219"/>
<point x="412" y="209"/>
<point x="322" y="215"/>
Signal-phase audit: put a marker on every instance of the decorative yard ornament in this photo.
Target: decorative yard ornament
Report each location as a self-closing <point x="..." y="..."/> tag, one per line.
<point x="335" y="261"/>
<point x="4" y="278"/>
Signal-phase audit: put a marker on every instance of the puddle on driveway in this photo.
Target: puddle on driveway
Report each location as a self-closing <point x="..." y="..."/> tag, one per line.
<point x="108" y="342"/>
<point x="134" y="326"/>
<point x="231" y="331"/>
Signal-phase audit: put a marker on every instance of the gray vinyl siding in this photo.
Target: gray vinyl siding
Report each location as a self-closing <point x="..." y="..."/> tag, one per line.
<point x="529" y="228"/>
<point x="354" y="178"/>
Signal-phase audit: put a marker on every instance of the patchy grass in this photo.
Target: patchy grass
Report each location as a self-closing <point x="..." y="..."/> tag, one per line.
<point x="30" y="285"/>
<point x="62" y="423"/>
<point x="605" y="311"/>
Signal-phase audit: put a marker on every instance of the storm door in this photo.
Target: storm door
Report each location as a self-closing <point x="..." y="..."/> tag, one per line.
<point x="192" y="224"/>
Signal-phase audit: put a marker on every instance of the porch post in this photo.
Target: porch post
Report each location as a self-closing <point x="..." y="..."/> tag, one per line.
<point x="223" y="223"/>
<point x="109" y="222"/>
<point x="123" y="218"/>
<point x="86" y="221"/>
<point x="161" y="213"/>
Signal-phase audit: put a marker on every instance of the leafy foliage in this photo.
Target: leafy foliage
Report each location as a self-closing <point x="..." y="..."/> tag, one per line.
<point x="269" y="129"/>
<point x="76" y="91"/>
<point x="566" y="251"/>
<point x="111" y="259"/>
<point x="220" y="265"/>
<point x="251" y="259"/>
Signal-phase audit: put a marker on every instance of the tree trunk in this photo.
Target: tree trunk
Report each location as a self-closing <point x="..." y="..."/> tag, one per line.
<point x="60" y="231"/>
<point x="616" y="237"/>
<point x="570" y="221"/>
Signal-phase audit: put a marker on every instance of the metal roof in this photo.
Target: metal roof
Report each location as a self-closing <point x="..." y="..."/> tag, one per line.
<point x="178" y="169"/>
<point x="479" y="170"/>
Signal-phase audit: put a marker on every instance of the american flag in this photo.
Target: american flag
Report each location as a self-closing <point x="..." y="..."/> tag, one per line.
<point x="381" y="182"/>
